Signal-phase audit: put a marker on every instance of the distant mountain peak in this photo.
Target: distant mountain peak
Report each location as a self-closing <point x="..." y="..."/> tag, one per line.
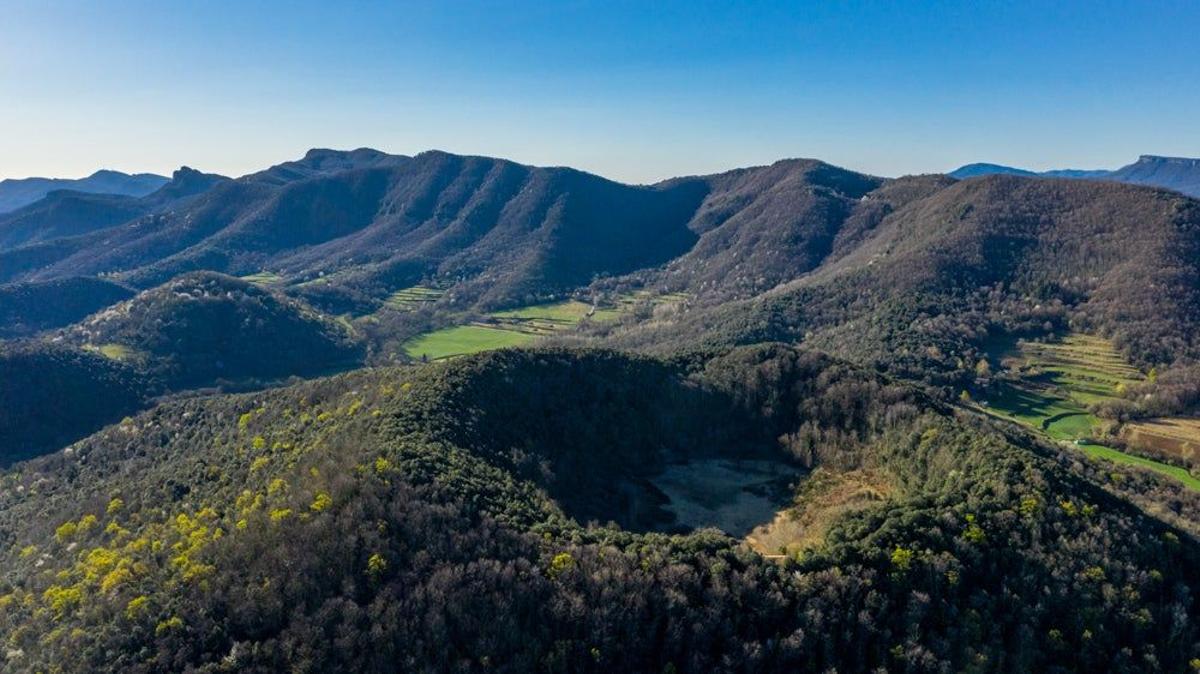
<point x="319" y="153"/>
<point x="1159" y="159"/>
<point x="18" y="193"/>
<point x="1181" y="174"/>
<point x="984" y="169"/>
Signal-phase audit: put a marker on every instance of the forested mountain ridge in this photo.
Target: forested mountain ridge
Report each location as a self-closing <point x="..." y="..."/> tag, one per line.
<point x="68" y="213"/>
<point x="18" y="192"/>
<point x="387" y="222"/>
<point x="937" y="275"/>
<point x="1175" y="173"/>
<point x="790" y="464"/>
<point x="372" y="522"/>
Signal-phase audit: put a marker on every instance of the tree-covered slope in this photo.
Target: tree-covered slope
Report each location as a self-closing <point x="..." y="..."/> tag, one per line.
<point x="201" y="330"/>
<point x="369" y="223"/>
<point x="762" y="226"/>
<point x="203" y="327"/>
<point x="28" y="308"/>
<point x="427" y="519"/>
<point x="68" y="214"/>
<point x="53" y="394"/>
<point x="934" y="277"/>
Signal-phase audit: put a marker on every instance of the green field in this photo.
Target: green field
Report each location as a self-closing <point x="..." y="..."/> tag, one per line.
<point x="1048" y="386"/>
<point x="263" y="278"/>
<point x="511" y="327"/>
<point x="543" y="319"/>
<point x="113" y="351"/>
<point x="1110" y="454"/>
<point x="463" y="339"/>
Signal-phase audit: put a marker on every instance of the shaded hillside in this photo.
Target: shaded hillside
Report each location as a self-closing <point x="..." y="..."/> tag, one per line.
<point x="204" y="327"/>
<point x="65" y="213"/>
<point x="761" y="226"/>
<point x="51" y="395"/>
<point x="67" y="222"/>
<point x="923" y="291"/>
<point x="16" y="193"/>
<point x="409" y="518"/>
<point x="372" y="223"/>
<point x="201" y="330"/>
<point x="27" y="308"/>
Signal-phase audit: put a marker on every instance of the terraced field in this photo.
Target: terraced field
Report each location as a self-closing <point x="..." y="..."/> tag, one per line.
<point x="1049" y="385"/>
<point x="544" y="319"/>
<point x="409" y="299"/>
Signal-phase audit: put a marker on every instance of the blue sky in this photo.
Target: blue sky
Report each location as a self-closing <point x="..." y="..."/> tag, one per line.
<point x="635" y="91"/>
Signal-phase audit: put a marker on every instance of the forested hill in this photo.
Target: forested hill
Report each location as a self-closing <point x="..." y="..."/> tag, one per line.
<point x="429" y="518"/>
<point x="934" y="276"/>
<point x="371" y="223"/>
<point x="200" y="330"/>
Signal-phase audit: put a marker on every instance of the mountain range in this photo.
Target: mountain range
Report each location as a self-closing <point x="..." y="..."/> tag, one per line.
<point x="785" y="417"/>
<point x="18" y="192"/>
<point x="1176" y="173"/>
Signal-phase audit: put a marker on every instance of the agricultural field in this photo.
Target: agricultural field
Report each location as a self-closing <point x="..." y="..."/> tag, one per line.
<point x="412" y="298"/>
<point x="1176" y="438"/>
<point x="1110" y="454"/>
<point x="114" y="351"/>
<point x="263" y="278"/>
<point x="1049" y="385"/>
<point x="513" y="327"/>
<point x="627" y="302"/>
<point x="543" y="319"/>
<point x="463" y="339"/>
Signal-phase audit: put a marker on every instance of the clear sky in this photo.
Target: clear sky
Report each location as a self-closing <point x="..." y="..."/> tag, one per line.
<point x="635" y="91"/>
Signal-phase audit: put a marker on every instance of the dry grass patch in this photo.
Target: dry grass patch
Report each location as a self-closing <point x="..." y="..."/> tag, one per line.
<point x="821" y="500"/>
<point x="1170" y="437"/>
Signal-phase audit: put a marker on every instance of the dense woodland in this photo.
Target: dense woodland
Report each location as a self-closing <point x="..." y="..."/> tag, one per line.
<point x="370" y="522"/>
<point x="211" y="473"/>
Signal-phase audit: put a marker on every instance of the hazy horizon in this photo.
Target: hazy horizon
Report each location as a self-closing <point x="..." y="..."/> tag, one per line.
<point x="629" y="92"/>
